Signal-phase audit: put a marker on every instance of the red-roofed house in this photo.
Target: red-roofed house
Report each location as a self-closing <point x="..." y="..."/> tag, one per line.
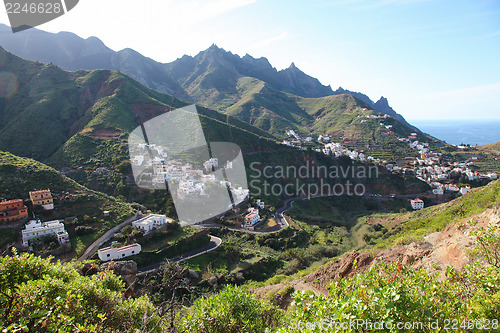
<point x="12" y="210"/>
<point x="417" y="204"/>
<point x="112" y="253"/>
<point x="252" y="219"/>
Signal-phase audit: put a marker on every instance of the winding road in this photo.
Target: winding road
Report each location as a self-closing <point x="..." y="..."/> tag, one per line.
<point x="215" y="242"/>
<point x="92" y="248"/>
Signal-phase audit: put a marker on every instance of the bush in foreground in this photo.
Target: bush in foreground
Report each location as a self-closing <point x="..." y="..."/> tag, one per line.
<point x="37" y="295"/>
<point x="231" y="310"/>
<point x="391" y="294"/>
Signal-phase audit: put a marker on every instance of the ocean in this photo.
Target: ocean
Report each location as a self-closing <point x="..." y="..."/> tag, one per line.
<point x="473" y="132"/>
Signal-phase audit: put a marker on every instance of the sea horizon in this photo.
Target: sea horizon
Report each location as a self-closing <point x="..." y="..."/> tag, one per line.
<point x="461" y="131"/>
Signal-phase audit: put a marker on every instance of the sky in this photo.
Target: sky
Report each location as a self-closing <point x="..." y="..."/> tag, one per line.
<point x="432" y="59"/>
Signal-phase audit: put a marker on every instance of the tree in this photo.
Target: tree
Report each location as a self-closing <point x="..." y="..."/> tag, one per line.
<point x="169" y="290"/>
<point x="127" y="229"/>
<point x="232" y="251"/>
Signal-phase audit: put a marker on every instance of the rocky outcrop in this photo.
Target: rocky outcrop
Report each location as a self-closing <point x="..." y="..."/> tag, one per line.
<point x="127" y="270"/>
<point x="434" y="253"/>
<point x="351" y="264"/>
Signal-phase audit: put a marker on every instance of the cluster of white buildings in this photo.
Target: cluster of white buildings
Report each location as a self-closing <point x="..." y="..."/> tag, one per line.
<point x="374" y="116"/>
<point x="297" y="140"/>
<point x="191" y="181"/>
<point x="429" y="169"/>
<point x="148" y="222"/>
<point x="337" y="150"/>
<point x="113" y="253"/>
<point x="292" y="133"/>
<point x="35" y="229"/>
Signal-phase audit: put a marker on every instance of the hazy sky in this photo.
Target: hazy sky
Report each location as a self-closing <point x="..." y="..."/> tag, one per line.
<point x="432" y="59"/>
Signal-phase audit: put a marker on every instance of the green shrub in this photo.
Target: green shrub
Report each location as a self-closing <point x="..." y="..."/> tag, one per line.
<point x="393" y="294"/>
<point x="37" y="295"/>
<point x="231" y="310"/>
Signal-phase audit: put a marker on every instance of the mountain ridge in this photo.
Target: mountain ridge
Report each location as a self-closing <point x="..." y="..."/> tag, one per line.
<point x="182" y="77"/>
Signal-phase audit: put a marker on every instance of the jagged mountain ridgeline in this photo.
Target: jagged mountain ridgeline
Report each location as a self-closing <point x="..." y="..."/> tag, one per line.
<point x="214" y="78"/>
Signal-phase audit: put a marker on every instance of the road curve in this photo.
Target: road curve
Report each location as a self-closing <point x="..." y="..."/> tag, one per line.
<point x="215" y="242"/>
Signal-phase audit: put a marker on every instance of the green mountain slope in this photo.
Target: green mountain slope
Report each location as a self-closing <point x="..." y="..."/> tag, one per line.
<point x="74" y="118"/>
<point x="492" y="146"/>
<point x="20" y="175"/>
<point x="79" y="121"/>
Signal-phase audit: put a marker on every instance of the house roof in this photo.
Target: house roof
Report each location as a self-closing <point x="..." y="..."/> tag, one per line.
<point x="39" y="192"/>
<point x="119" y="249"/>
<point x="417" y="200"/>
<point x="128" y="247"/>
<point x="250" y="215"/>
<point x="13" y="201"/>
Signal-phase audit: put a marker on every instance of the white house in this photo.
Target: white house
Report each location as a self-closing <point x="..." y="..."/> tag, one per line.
<point x="35" y="228"/>
<point x="252" y="219"/>
<point x="138" y="160"/>
<point x="161" y="152"/>
<point x="417" y="204"/>
<point x="260" y="203"/>
<point x="186" y="187"/>
<point x="62" y="237"/>
<point x="452" y="188"/>
<point x="240" y="194"/>
<point x="211" y="163"/>
<point x="464" y="190"/>
<point x="148" y="222"/>
<point x="471" y="175"/>
<point x="438" y="191"/>
<point x="109" y="253"/>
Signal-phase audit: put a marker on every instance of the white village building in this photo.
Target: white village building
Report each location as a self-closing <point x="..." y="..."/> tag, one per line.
<point x="110" y="253"/>
<point x="417" y="204"/>
<point x="252" y="218"/>
<point x="464" y="190"/>
<point x="260" y="203"/>
<point x="211" y="163"/>
<point x="148" y="222"/>
<point x="36" y="228"/>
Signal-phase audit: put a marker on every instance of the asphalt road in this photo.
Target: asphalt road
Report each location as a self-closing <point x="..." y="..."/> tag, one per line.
<point x="215" y="242"/>
<point x="92" y="248"/>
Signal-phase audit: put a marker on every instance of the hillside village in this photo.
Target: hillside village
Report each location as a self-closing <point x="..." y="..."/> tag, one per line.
<point x="156" y="169"/>
<point x="427" y="166"/>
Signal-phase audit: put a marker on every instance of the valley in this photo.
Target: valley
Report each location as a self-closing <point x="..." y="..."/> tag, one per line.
<point x="337" y="207"/>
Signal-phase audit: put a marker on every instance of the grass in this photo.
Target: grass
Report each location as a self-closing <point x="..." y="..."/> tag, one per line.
<point x="80" y="242"/>
<point x="163" y="241"/>
<point x="20" y="175"/>
<point x="435" y="218"/>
